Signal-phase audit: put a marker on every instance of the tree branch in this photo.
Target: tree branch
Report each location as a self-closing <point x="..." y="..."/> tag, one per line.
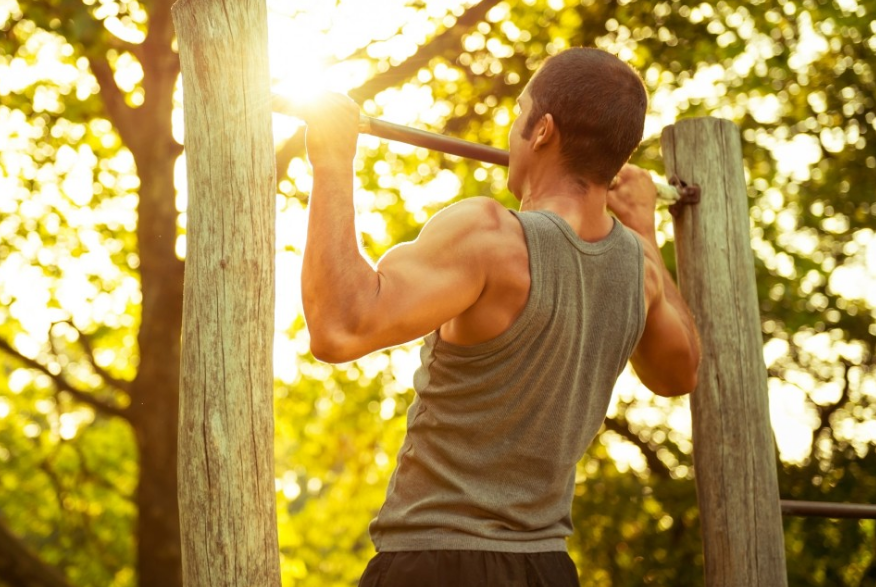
<point x="362" y="52"/>
<point x="84" y="528"/>
<point x="63" y="385"/>
<point x="120" y="114"/>
<point x="657" y="466"/>
<point x="825" y="412"/>
<point x="125" y="46"/>
<point x="20" y="566"/>
<point x="120" y="384"/>
<point x="444" y="43"/>
<point x="92" y="476"/>
<point x="55" y="482"/>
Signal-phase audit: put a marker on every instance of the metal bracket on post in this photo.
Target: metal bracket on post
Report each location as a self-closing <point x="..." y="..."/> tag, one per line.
<point x="687" y="194"/>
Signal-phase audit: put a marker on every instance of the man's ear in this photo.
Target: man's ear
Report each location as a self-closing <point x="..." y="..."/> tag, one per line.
<point x="544" y="131"/>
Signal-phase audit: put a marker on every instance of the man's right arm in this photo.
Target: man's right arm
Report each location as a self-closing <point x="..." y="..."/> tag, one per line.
<point x="667" y="357"/>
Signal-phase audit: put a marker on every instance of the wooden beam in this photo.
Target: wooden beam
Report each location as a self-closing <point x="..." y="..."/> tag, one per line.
<point x="227" y="499"/>
<point x="734" y="455"/>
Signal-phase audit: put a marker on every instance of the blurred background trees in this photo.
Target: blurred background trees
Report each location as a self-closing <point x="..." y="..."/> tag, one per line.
<point x="92" y="233"/>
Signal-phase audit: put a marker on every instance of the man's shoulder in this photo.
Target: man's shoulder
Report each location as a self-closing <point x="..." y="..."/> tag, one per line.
<point x="477" y="217"/>
<point x="475" y="210"/>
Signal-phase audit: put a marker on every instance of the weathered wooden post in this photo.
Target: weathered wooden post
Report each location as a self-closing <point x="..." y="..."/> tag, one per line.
<point x="734" y="458"/>
<point x="226" y="466"/>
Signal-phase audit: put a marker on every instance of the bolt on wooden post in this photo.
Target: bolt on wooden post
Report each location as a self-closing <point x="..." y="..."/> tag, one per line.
<point x="734" y="455"/>
<point x="226" y="427"/>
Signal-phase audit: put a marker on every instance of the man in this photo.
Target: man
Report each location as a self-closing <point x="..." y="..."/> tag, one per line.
<point x="528" y="316"/>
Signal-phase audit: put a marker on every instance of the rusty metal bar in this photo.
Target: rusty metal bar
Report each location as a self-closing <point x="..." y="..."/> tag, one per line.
<point x="430" y="140"/>
<point x="792" y="507"/>
<point x="420" y="138"/>
<point x="668" y="194"/>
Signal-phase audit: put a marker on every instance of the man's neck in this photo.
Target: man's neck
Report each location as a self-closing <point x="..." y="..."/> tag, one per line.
<point x="584" y="209"/>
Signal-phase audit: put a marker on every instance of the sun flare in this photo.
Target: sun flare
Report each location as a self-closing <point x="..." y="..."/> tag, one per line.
<point x="308" y="55"/>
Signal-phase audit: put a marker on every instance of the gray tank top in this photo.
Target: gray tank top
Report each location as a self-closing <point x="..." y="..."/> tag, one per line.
<point x="496" y="429"/>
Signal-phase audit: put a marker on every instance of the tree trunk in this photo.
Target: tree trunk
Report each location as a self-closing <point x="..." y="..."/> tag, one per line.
<point x="733" y="445"/>
<point x="155" y="397"/>
<point x="155" y="393"/>
<point x="226" y="489"/>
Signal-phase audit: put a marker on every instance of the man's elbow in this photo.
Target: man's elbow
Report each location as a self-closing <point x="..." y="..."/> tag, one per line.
<point x="675" y="376"/>
<point x="340" y="341"/>
<point x="333" y="338"/>
<point x="340" y="332"/>
<point x="323" y="351"/>
<point x="682" y="384"/>
<point x="332" y="347"/>
<point x="682" y="380"/>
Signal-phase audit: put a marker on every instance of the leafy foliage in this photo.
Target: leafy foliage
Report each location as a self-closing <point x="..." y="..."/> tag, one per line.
<point x="796" y="77"/>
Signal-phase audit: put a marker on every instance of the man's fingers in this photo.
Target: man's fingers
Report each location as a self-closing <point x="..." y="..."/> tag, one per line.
<point x="324" y="104"/>
<point x="284" y="105"/>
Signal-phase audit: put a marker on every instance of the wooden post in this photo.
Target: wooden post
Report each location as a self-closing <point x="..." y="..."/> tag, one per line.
<point x="226" y="431"/>
<point x="734" y="456"/>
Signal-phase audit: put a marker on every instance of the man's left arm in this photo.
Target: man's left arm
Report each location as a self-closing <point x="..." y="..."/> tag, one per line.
<point x="667" y="357"/>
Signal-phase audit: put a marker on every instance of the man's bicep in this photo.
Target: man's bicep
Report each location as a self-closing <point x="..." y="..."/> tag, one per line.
<point x="425" y="283"/>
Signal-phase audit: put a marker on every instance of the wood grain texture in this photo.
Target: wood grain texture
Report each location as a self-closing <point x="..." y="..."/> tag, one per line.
<point x="226" y="470"/>
<point x="734" y="455"/>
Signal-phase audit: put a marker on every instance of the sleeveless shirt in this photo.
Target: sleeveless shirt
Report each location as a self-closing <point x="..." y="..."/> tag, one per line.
<point x="496" y="429"/>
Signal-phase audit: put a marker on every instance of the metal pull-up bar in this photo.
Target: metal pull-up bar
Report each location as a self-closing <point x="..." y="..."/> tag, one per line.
<point x="820" y="509"/>
<point x="675" y="192"/>
<point x="430" y="140"/>
<point x="666" y="193"/>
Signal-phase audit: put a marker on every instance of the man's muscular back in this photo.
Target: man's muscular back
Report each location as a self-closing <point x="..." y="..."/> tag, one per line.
<point x="507" y="280"/>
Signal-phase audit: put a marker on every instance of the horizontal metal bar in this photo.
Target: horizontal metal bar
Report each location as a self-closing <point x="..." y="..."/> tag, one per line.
<point x="438" y="142"/>
<point x="823" y="509"/>
<point x="429" y="140"/>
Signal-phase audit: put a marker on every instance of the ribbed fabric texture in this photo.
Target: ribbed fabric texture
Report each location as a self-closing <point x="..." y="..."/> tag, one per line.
<point x="496" y="429"/>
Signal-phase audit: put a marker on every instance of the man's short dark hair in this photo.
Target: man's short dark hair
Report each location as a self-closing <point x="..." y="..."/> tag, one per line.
<point x="598" y="104"/>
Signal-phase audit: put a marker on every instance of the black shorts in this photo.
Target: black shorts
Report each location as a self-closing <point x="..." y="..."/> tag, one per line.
<point x="470" y="568"/>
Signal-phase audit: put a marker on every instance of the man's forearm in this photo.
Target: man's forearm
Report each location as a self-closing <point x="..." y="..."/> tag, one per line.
<point x="334" y="272"/>
<point x="673" y="296"/>
<point x="671" y="292"/>
<point x="668" y="354"/>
